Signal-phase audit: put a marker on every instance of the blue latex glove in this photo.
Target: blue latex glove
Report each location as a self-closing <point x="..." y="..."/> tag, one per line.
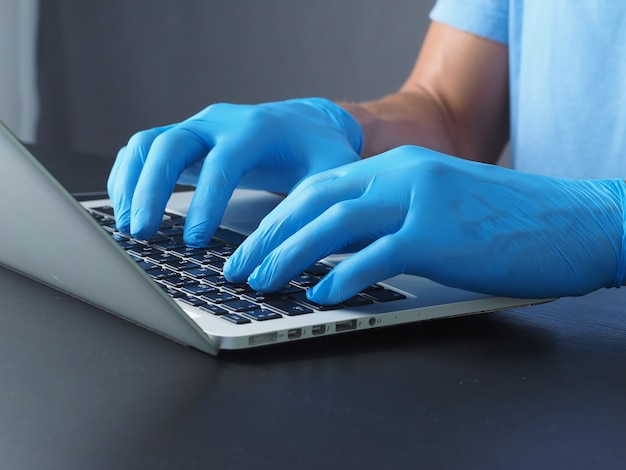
<point x="270" y="146"/>
<point x="464" y="224"/>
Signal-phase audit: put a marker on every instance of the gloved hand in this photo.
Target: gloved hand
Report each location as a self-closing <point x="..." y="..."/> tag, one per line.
<point x="464" y="224"/>
<point x="272" y="145"/>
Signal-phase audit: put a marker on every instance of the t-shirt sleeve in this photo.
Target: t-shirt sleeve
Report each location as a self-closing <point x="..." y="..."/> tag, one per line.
<point x="486" y="18"/>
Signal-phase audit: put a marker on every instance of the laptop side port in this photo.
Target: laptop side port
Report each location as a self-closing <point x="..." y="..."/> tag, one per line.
<point x="318" y="330"/>
<point x="345" y="326"/>
<point x="294" y="333"/>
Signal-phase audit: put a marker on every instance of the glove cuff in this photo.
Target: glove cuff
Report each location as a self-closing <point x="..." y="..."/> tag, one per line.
<point x="340" y="117"/>
<point x="620" y="273"/>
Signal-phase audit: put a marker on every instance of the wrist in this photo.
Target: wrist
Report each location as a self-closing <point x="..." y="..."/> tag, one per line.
<point x="341" y="118"/>
<point x="365" y="120"/>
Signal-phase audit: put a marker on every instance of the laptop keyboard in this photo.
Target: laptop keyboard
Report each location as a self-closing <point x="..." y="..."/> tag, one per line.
<point x="194" y="276"/>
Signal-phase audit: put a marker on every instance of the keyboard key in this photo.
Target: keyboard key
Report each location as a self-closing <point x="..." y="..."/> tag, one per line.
<point x="238" y="289"/>
<point x="141" y="249"/>
<point x="106" y="210"/>
<point x="175" y="232"/>
<point x="147" y="265"/>
<point x="235" y="318"/>
<point x="289" y="289"/>
<point x="109" y="227"/>
<point x="99" y="218"/>
<point x="218" y="280"/>
<point x="178" y="281"/>
<point x="160" y="257"/>
<point x="240" y="305"/>
<point x="186" y="251"/>
<point x="357" y="301"/>
<point x="210" y="260"/>
<point x="154" y="241"/>
<point x="372" y="287"/>
<point x="173" y="221"/>
<point x="193" y="301"/>
<point x="301" y="297"/>
<point x="169" y="244"/>
<point x="200" y="273"/>
<point x="262" y="297"/>
<point x="198" y="289"/>
<point x="123" y="241"/>
<point x="318" y="269"/>
<point x="384" y="295"/>
<point x="288" y="307"/>
<point x="213" y="309"/>
<point x="262" y="314"/>
<point x="174" y="293"/>
<point x="304" y="280"/>
<point x="160" y="274"/>
<point x="219" y="297"/>
<point x="179" y="264"/>
<point x="222" y="250"/>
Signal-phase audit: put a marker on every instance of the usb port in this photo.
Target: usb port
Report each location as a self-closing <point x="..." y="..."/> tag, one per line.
<point x="345" y="326"/>
<point x="318" y="330"/>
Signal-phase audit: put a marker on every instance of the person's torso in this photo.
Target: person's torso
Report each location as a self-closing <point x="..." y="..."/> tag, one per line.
<point x="568" y="87"/>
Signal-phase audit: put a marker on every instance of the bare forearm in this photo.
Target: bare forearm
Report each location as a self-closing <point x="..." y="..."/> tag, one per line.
<point x="455" y="100"/>
<point x="399" y="119"/>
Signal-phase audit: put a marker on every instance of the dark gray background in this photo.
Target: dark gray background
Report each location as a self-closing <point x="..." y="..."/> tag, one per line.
<point x="108" y="69"/>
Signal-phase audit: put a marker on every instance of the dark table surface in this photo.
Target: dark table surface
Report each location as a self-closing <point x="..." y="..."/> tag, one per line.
<point x="540" y="387"/>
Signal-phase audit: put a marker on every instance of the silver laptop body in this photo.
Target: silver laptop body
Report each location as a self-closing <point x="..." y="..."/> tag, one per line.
<point x="48" y="236"/>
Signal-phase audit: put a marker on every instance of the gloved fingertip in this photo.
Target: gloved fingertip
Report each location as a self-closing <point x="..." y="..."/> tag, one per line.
<point x="198" y="233"/>
<point x="122" y="221"/>
<point x="196" y="239"/>
<point x="321" y="294"/>
<point x="263" y="280"/>
<point x="144" y="223"/>
<point x="142" y="232"/>
<point x="123" y="226"/>
<point x="257" y="281"/>
<point x="121" y="210"/>
<point x="228" y="268"/>
<point x="233" y="272"/>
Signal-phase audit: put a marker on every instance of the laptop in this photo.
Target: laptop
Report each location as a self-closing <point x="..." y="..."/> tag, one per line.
<point x="179" y="292"/>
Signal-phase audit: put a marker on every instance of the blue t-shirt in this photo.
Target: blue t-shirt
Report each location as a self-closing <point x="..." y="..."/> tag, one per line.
<point x="567" y="63"/>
